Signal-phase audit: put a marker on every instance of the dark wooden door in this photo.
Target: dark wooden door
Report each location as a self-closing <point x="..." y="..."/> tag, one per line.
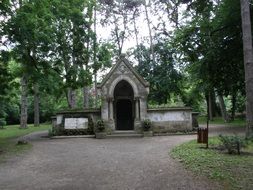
<point x="124" y="115"/>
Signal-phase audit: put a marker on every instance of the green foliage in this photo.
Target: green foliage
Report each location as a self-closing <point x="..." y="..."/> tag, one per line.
<point x="100" y="126"/>
<point x="50" y="133"/>
<point x="56" y="131"/>
<point x="5" y="79"/>
<point x="73" y="37"/>
<point x="146" y="124"/>
<point x="75" y="132"/>
<point x="211" y="46"/>
<point x="91" y="126"/>
<point x="234" y="172"/>
<point x="103" y="57"/>
<point x="2" y="123"/>
<point x="53" y="43"/>
<point x="233" y="144"/>
<point x="164" y="78"/>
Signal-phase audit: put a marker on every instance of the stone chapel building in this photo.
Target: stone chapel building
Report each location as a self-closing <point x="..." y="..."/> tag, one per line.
<point x="124" y="95"/>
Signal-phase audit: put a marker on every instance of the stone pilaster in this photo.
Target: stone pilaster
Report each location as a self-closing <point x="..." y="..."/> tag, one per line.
<point x="111" y="123"/>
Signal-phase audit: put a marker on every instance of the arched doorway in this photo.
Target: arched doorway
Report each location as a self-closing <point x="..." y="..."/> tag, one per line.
<point x="123" y="106"/>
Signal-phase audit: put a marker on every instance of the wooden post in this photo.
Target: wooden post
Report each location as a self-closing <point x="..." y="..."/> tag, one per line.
<point x="207" y="122"/>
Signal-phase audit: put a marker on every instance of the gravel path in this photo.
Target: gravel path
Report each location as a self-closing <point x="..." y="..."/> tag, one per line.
<point x="126" y="163"/>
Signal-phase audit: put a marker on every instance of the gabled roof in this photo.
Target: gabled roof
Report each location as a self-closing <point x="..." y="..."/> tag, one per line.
<point x="129" y="66"/>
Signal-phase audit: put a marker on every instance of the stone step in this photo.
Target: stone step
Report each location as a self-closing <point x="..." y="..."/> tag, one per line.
<point x="124" y="135"/>
<point x="119" y="134"/>
<point x="124" y="132"/>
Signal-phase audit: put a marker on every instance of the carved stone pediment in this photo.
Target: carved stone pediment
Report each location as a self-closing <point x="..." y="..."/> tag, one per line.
<point x="122" y="68"/>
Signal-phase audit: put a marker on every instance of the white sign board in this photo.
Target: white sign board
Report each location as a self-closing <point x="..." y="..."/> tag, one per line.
<point x="76" y="123"/>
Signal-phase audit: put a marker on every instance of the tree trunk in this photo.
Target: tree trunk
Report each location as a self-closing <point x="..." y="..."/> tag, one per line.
<point x="71" y="97"/>
<point x="149" y="30"/>
<point x="210" y="107"/>
<point x="23" y="102"/>
<point x="214" y="105"/>
<point x="223" y="108"/>
<point x="95" y="54"/>
<point x="136" y="36"/>
<point x="36" y="106"/>
<point x="96" y="90"/>
<point x="85" y="97"/>
<point x="233" y="106"/>
<point x="119" y="35"/>
<point x="248" y="64"/>
<point x="87" y="58"/>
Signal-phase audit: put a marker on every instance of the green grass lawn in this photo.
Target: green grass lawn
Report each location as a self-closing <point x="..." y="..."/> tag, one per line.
<point x="232" y="171"/>
<point x="8" y="137"/>
<point x="218" y="120"/>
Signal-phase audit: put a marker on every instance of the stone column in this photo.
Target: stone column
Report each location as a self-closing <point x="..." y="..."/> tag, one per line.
<point x="143" y="108"/>
<point x="110" y="121"/>
<point x="137" y="111"/>
<point x="110" y="102"/>
<point x="137" y="121"/>
<point x="104" y="109"/>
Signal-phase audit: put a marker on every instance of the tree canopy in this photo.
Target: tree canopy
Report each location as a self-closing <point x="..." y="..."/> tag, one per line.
<point x="190" y="51"/>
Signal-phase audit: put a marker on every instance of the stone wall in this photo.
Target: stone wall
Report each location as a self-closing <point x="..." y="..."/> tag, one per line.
<point x="75" y="122"/>
<point x="170" y="119"/>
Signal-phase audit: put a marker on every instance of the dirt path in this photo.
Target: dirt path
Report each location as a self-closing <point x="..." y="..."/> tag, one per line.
<point x="128" y="163"/>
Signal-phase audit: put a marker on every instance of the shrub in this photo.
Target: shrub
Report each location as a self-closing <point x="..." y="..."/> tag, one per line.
<point x="233" y="143"/>
<point x="50" y="133"/>
<point x="249" y="138"/>
<point x="146" y="124"/>
<point x="2" y="123"/>
<point x="70" y="132"/>
<point x="100" y="126"/>
<point x="90" y="130"/>
<point x="57" y="131"/>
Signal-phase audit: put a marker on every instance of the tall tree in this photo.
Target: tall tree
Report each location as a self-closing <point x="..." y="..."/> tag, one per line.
<point x="210" y="41"/>
<point x="36" y="105"/>
<point x="147" y="5"/>
<point x="73" y="45"/>
<point x="164" y="78"/>
<point x="116" y="14"/>
<point x="248" y="64"/>
<point x="27" y="30"/>
<point x="23" y="102"/>
<point x="103" y="60"/>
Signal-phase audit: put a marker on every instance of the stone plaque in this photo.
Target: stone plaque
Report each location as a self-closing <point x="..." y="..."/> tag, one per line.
<point x="76" y="123"/>
<point x="59" y="119"/>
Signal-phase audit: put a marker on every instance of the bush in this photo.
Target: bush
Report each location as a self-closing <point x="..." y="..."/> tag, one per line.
<point x="233" y="144"/>
<point x="146" y="124"/>
<point x="2" y="123"/>
<point x="50" y="133"/>
<point x="69" y="132"/>
<point x="100" y="126"/>
<point x="90" y="129"/>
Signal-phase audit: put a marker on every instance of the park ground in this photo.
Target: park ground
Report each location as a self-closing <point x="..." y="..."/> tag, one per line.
<point x="126" y="163"/>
